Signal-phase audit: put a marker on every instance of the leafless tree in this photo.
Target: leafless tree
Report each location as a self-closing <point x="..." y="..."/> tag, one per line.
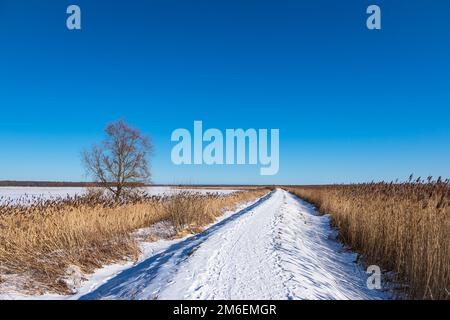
<point x="120" y="162"/>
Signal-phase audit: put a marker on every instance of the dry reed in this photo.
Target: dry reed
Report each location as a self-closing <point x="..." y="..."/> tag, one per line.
<point x="40" y="239"/>
<point x="403" y="227"/>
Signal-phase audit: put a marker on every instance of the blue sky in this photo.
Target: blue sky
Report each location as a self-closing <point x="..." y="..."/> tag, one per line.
<point x="351" y="104"/>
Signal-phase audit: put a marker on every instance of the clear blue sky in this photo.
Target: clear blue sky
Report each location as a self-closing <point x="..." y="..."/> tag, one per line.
<point x="351" y="104"/>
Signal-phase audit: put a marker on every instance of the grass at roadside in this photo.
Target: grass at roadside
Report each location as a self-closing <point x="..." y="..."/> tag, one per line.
<point x="41" y="239"/>
<point x="403" y="227"/>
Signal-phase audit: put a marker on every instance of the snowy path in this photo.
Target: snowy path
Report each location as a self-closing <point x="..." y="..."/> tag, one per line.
<point x="277" y="248"/>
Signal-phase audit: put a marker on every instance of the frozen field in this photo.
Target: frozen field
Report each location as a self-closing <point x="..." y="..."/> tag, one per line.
<point x="22" y="193"/>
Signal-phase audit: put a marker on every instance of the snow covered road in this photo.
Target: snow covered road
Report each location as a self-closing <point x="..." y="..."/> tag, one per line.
<point x="277" y="248"/>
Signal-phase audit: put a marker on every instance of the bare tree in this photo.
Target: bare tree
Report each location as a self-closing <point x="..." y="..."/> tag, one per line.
<point x="120" y="162"/>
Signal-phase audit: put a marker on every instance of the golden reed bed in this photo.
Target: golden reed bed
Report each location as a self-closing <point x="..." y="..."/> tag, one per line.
<point x="402" y="227"/>
<point x="41" y="239"/>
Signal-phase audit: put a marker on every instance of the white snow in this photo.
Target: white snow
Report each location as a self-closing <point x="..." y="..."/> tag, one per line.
<point x="101" y="276"/>
<point x="277" y="248"/>
<point x="16" y="193"/>
<point x="28" y="193"/>
<point x="163" y="231"/>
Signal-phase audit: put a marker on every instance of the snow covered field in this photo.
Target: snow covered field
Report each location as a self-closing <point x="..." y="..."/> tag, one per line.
<point x="16" y="193"/>
<point x="275" y="248"/>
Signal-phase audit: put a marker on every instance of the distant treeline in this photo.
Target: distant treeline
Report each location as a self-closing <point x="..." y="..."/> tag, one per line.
<point x="11" y="183"/>
<point x="50" y="184"/>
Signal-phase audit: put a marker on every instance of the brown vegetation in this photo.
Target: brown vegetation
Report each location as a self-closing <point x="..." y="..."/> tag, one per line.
<point x="403" y="227"/>
<point x="41" y="239"/>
